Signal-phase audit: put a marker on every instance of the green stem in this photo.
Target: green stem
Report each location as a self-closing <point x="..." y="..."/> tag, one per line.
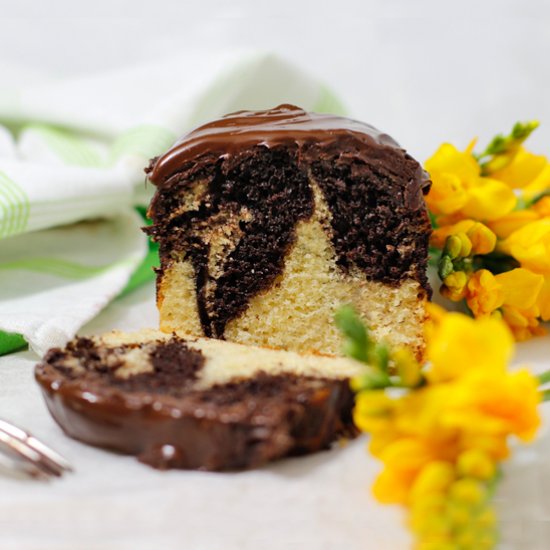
<point x="546" y="395"/>
<point x="544" y="377"/>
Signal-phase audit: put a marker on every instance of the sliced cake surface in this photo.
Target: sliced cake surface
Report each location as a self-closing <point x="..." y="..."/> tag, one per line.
<point x="268" y="221"/>
<point x="181" y="402"/>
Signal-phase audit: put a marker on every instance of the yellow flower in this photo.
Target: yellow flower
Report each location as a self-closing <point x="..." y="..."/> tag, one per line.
<point x="460" y="344"/>
<point x="392" y="486"/>
<point x="530" y="245"/>
<point x="452" y="171"/>
<point x="447" y="194"/>
<point x="511" y="222"/>
<point x="476" y="463"/>
<point x="455" y="286"/>
<point x="458" y="188"/>
<point x="489" y="199"/>
<point x="485" y="293"/>
<point x="520" y="287"/>
<point x="435" y="312"/>
<point x="543" y="302"/>
<point x="522" y="170"/>
<point x="441" y="234"/>
<point x="523" y="322"/>
<point x="373" y="411"/>
<point x="407" y="366"/>
<point x="542" y="207"/>
<point x="474" y="236"/>
<point x="407" y="454"/>
<point x="440" y="442"/>
<point x="435" y="477"/>
<point x="539" y="185"/>
<point x="495" y="404"/>
<point x="483" y="239"/>
<point x="434" y="315"/>
<point x="516" y="292"/>
<point x="467" y="491"/>
<point x="526" y="171"/>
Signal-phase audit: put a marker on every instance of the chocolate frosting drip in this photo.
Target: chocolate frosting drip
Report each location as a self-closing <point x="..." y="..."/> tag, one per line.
<point x="263" y="163"/>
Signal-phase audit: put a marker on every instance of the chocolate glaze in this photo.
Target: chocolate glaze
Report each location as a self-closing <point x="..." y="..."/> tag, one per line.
<point x="282" y="125"/>
<point x="266" y="161"/>
<point x="241" y="424"/>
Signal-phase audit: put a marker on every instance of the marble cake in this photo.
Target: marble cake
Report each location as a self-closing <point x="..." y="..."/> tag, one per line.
<point x="268" y="221"/>
<point x="196" y="403"/>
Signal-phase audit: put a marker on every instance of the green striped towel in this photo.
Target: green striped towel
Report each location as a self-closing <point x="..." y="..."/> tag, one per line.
<point x="72" y="155"/>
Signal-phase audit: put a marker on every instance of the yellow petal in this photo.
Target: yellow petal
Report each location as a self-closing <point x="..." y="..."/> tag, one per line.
<point x="482" y="238"/>
<point x="406" y="454"/>
<point x="392" y="487"/>
<point x="544" y="299"/>
<point x="450" y="160"/>
<point x="476" y="463"/>
<point x="460" y="344"/>
<point x="485" y="293"/>
<point x="521" y="287"/>
<point x="542" y="207"/>
<point x="435" y="477"/>
<point x="511" y="222"/>
<point x="539" y="185"/>
<point x="510" y="401"/>
<point x="523" y="170"/>
<point x="530" y="245"/>
<point x="447" y="194"/>
<point x="489" y="199"/>
<point x="452" y="172"/>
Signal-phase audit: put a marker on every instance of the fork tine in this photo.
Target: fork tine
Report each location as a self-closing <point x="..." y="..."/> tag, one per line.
<point x="21" y="468"/>
<point x="49" y="453"/>
<point x="15" y="447"/>
<point x="33" y="449"/>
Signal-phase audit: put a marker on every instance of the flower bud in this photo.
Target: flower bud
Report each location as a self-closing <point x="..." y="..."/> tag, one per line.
<point x="483" y="240"/>
<point x="468" y="491"/>
<point x="453" y="246"/>
<point x="477" y="464"/>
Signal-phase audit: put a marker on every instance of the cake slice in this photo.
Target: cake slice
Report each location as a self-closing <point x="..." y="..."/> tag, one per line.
<point x="268" y="221"/>
<point x="179" y="402"/>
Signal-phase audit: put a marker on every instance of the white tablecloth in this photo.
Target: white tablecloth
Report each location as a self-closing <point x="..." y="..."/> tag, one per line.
<point x="320" y="502"/>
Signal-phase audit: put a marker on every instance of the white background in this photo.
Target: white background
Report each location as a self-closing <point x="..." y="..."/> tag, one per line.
<point x="424" y="71"/>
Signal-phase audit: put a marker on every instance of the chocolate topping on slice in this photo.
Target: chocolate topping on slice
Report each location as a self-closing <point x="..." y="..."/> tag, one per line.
<point x="159" y="414"/>
<point x="282" y="125"/>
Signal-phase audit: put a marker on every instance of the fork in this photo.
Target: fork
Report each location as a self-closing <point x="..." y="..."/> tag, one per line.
<point x="22" y="455"/>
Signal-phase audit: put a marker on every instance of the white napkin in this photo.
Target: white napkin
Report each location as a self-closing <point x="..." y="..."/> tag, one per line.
<point x="75" y="150"/>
